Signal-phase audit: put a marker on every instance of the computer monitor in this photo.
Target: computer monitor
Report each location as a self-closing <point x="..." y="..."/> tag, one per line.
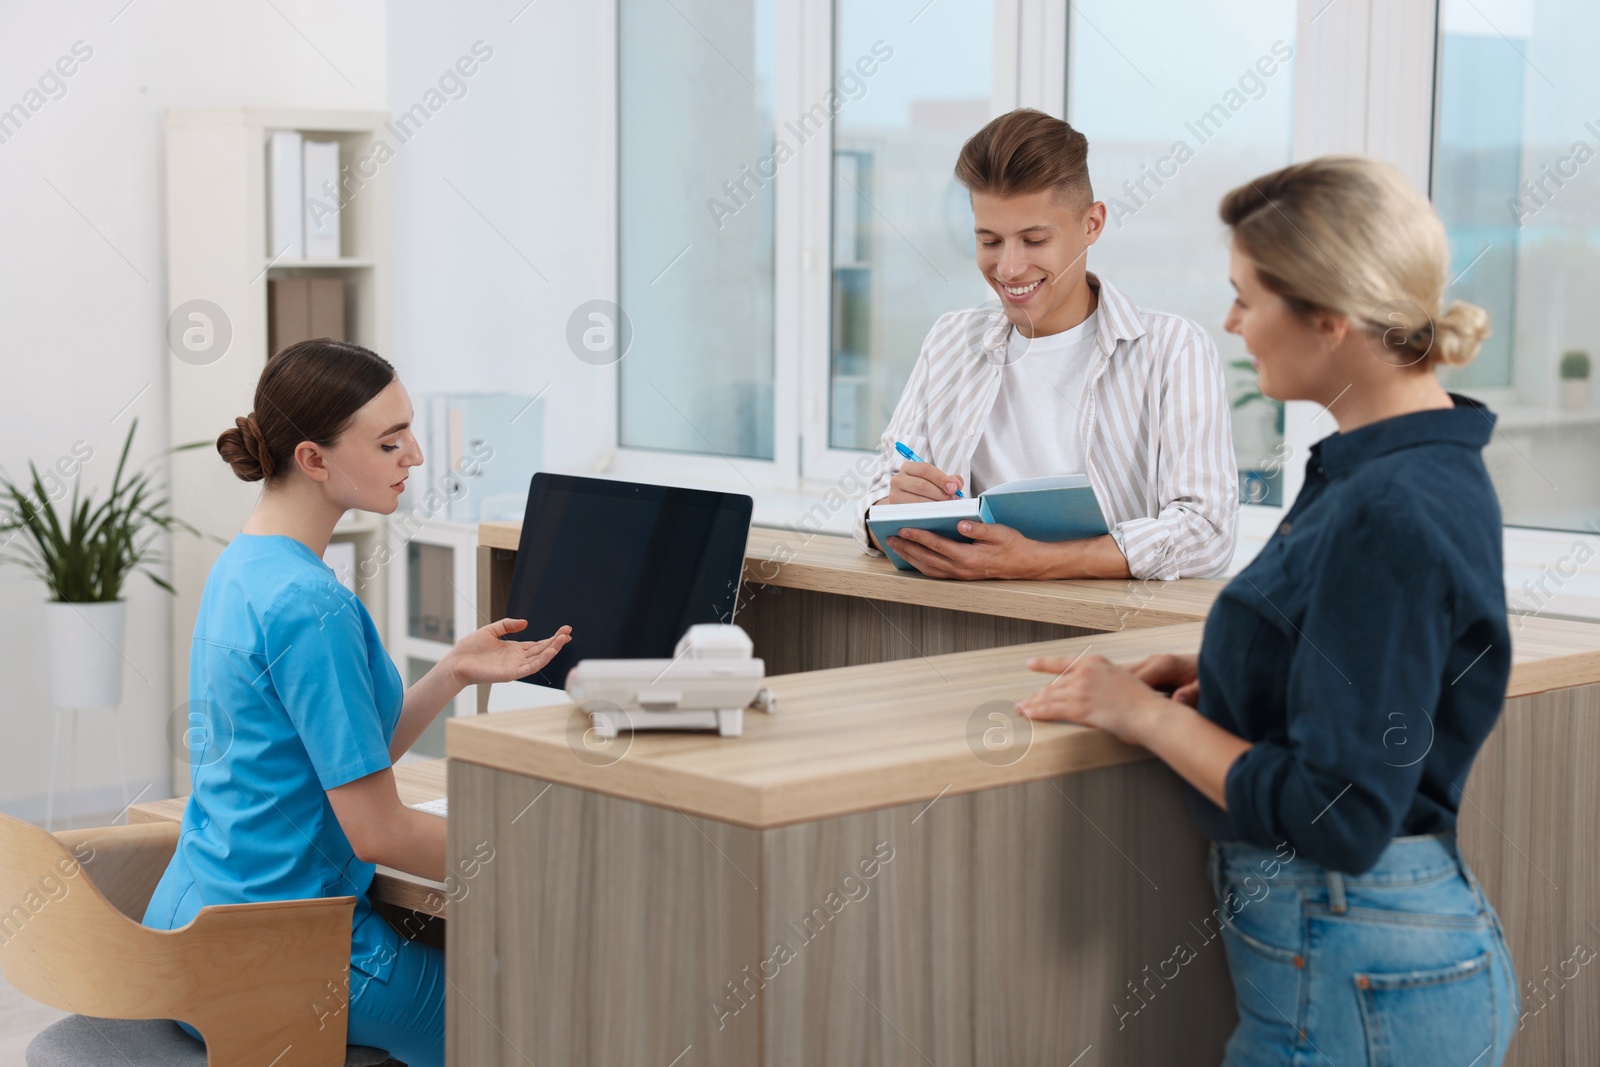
<point x="628" y="566"/>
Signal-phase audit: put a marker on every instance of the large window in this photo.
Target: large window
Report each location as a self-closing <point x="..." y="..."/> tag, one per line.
<point x="1516" y="181"/>
<point x="789" y="226"/>
<point x="1181" y="102"/>
<point x="1178" y="108"/>
<point x="696" y="161"/>
<point x="916" y="84"/>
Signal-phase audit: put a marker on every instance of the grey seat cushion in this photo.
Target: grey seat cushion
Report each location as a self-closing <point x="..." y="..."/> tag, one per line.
<point x="81" y="1041"/>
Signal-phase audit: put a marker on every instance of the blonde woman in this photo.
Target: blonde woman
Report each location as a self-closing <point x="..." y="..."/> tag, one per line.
<point x="1350" y="673"/>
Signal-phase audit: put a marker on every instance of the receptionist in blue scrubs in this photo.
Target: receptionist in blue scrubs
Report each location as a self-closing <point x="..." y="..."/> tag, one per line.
<point x="1348" y="676"/>
<point x="299" y="711"/>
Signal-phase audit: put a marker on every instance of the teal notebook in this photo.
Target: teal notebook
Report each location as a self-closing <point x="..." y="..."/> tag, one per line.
<point x="1058" y="508"/>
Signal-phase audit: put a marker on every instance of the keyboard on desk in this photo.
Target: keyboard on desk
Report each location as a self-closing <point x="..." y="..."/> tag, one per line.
<point x="435" y="807"/>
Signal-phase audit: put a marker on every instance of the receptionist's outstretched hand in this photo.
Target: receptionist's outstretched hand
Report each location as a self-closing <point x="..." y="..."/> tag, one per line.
<point x="995" y="552"/>
<point x="482" y="657"/>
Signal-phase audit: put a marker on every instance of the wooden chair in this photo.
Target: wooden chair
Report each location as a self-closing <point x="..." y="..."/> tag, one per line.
<point x="264" y="983"/>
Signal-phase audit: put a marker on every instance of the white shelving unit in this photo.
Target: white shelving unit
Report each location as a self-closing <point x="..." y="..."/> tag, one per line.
<point x="217" y="252"/>
<point x="433" y="593"/>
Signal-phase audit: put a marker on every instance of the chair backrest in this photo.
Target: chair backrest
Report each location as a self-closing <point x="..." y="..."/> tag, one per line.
<point x="265" y="984"/>
<point x="124" y="862"/>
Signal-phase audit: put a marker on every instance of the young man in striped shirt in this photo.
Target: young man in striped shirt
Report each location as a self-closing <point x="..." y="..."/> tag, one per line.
<point x="1065" y="374"/>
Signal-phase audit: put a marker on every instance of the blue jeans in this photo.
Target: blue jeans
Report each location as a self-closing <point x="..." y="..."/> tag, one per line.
<point x="403" y="1014"/>
<point x="1402" y="965"/>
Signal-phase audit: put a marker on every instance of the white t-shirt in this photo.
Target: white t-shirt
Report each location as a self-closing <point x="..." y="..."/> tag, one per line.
<point x="1033" y="430"/>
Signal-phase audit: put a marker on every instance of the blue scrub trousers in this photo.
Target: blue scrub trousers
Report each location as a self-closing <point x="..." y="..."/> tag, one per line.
<point x="404" y="1014"/>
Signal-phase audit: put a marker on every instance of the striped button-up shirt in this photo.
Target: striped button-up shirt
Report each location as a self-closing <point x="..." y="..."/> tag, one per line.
<point x="1154" y="427"/>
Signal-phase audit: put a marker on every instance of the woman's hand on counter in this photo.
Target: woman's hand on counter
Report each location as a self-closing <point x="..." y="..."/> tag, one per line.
<point x="1093" y="691"/>
<point x="482" y="656"/>
<point x="1169" y="673"/>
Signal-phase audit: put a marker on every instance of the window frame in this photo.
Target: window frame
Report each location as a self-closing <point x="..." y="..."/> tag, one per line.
<point x="1526" y="549"/>
<point x="1366" y="81"/>
<point x="822" y="465"/>
<point x="714" y="470"/>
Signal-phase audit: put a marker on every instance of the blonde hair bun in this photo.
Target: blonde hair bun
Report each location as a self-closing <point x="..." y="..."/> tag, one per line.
<point x="1459" y="333"/>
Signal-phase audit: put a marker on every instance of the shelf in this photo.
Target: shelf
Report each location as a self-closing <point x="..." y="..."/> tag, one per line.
<point x="1534" y="418"/>
<point x="423" y="647"/>
<point x="316" y="120"/>
<point x="218" y="250"/>
<point x="358" y="522"/>
<point x="342" y="263"/>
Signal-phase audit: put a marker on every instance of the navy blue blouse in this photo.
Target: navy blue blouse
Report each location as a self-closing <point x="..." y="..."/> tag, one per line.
<point x="1365" y="651"/>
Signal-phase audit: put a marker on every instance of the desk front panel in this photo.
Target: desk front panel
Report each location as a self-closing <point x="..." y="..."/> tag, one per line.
<point x="1017" y="925"/>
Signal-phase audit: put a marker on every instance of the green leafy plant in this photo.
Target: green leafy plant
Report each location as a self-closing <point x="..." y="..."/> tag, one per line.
<point x="87" y="554"/>
<point x="1252" y="394"/>
<point x="1575" y="365"/>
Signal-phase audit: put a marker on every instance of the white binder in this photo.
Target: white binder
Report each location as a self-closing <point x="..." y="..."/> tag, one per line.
<point x="321" y="204"/>
<point x="286" y="224"/>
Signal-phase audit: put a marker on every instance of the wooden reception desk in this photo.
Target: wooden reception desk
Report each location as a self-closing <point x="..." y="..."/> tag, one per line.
<point x="812" y="601"/>
<point x="894" y="869"/>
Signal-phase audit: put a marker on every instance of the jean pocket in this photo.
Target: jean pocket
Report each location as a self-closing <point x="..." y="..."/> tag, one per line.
<point x="1269" y="921"/>
<point x="1262" y="948"/>
<point x="1265" y="942"/>
<point x="1444" y="1016"/>
<point x="1270" y="989"/>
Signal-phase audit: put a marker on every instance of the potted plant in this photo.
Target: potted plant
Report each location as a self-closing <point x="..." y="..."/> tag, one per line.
<point x="84" y="558"/>
<point x="1574" y="373"/>
<point x="1259" y="438"/>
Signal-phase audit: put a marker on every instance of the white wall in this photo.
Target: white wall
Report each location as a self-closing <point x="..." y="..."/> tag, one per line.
<point x="82" y="285"/>
<point x="83" y="302"/>
<point x="499" y="187"/>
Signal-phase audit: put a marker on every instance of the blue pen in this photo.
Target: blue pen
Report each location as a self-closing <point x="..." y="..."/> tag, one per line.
<point x="913" y="457"/>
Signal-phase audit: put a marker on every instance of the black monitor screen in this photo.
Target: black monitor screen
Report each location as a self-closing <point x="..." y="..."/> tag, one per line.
<point x="629" y="567"/>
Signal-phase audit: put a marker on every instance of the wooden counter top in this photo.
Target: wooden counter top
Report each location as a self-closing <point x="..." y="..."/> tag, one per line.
<point x="874" y="736"/>
<point x="828" y="563"/>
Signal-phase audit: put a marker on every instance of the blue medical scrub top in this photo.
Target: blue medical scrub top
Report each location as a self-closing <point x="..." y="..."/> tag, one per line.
<point x="290" y="694"/>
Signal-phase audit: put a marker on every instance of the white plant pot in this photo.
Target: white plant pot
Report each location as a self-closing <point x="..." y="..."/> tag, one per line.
<point x="1575" y="393"/>
<point x="84" y="642"/>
